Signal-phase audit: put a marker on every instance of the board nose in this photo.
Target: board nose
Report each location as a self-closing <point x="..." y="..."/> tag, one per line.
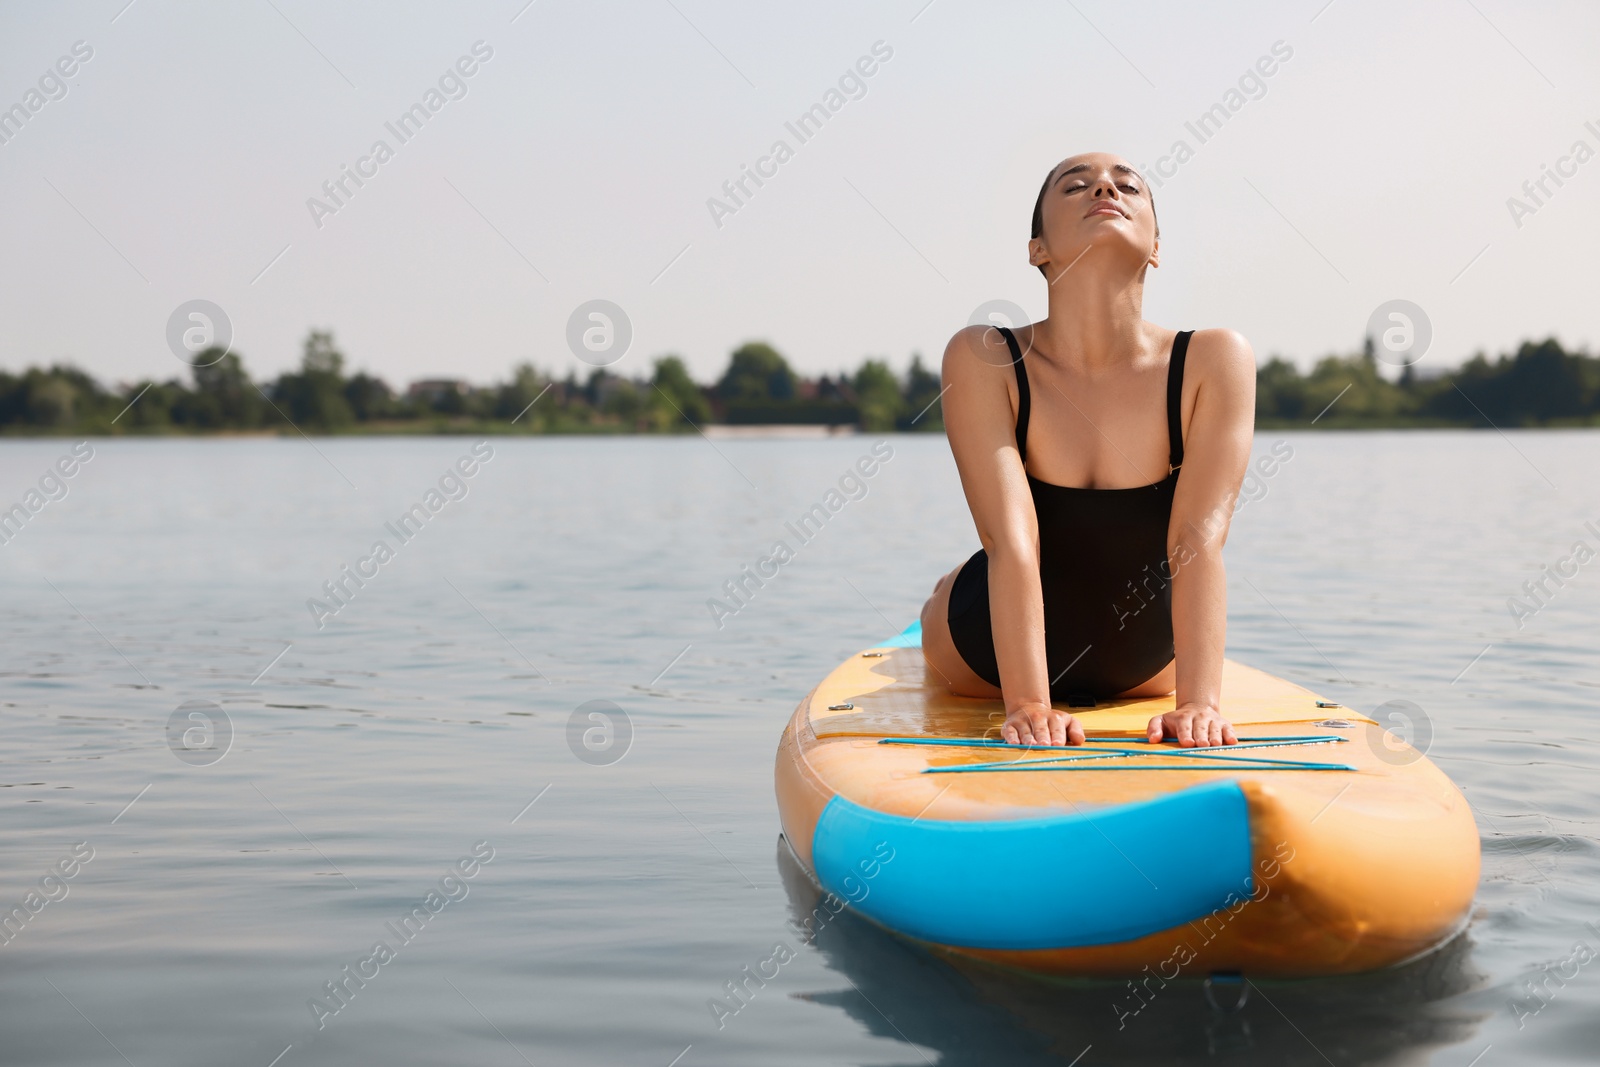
<point x="1092" y="877"/>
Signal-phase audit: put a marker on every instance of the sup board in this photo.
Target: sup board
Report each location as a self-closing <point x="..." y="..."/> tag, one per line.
<point x="1321" y="844"/>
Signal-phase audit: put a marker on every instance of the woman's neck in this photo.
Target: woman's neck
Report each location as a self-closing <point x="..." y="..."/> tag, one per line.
<point x="1095" y="321"/>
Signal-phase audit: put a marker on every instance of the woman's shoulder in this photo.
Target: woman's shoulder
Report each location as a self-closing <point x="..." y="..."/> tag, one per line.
<point x="1220" y="354"/>
<point x="1220" y="345"/>
<point x="975" y="353"/>
<point x="979" y="391"/>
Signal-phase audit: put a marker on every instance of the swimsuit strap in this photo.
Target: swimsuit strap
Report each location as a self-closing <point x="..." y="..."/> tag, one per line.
<point x="1180" y="348"/>
<point x="1023" y="403"/>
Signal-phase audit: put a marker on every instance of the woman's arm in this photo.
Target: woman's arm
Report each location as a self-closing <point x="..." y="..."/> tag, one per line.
<point x="979" y="417"/>
<point x="1216" y="452"/>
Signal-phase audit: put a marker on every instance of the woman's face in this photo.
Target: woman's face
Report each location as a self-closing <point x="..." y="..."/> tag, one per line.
<point x="1094" y="201"/>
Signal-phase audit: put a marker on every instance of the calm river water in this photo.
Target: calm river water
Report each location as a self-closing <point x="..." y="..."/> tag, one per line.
<point x="418" y="738"/>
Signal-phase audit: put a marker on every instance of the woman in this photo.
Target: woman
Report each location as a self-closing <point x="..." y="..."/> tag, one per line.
<point x="1101" y="570"/>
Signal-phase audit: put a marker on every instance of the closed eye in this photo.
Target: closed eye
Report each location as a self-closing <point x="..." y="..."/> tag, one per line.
<point x="1131" y="190"/>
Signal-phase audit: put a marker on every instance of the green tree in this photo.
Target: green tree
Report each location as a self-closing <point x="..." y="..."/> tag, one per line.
<point x="675" y="399"/>
<point x="51" y="400"/>
<point x="922" y="410"/>
<point x="1542" y="383"/>
<point x="315" y="396"/>
<point x="615" y="397"/>
<point x="1354" y="389"/>
<point x="13" y="401"/>
<point x="450" y="402"/>
<point x="223" y="394"/>
<point x="877" y="395"/>
<point x="58" y="398"/>
<point x="369" y="397"/>
<point x="152" y="408"/>
<point x="756" y="373"/>
<point x="1280" y="391"/>
<point x="320" y="355"/>
<point x="511" y="400"/>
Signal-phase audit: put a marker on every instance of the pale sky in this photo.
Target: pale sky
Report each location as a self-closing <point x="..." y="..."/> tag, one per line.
<point x="1374" y="163"/>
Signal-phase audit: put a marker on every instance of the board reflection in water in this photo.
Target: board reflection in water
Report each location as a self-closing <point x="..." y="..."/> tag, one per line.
<point x="974" y="1015"/>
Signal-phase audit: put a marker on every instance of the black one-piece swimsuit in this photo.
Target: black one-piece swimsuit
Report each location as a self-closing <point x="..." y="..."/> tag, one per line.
<point x="1102" y="567"/>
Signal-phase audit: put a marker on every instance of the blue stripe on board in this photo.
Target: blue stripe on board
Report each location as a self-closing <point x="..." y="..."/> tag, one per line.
<point x="1063" y="881"/>
<point x="910" y="637"/>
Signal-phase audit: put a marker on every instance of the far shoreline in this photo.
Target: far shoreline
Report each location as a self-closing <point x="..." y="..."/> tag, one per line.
<point x="758" y="396"/>
<point x="715" y="431"/>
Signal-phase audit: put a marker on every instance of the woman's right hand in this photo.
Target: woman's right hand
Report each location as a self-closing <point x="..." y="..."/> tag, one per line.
<point x="1041" y="725"/>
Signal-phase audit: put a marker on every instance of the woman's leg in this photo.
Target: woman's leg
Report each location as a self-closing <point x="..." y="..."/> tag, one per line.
<point x="939" y="650"/>
<point x="946" y="664"/>
<point x="1165" y="681"/>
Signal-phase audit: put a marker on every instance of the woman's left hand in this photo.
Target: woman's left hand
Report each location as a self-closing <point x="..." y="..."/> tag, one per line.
<point x="1193" y="726"/>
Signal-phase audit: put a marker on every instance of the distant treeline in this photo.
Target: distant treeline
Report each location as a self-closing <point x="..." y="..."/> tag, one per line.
<point x="758" y="387"/>
<point x="1541" y="385"/>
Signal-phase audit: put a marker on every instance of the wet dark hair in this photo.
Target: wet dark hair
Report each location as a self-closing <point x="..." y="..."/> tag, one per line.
<point x="1038" y="208"/>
